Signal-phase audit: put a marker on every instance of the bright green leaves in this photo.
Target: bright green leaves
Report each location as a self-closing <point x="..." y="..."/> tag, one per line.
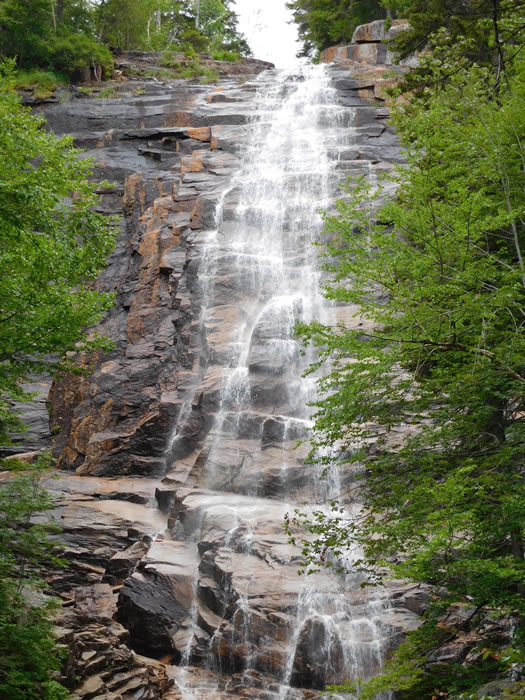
<point x="53" y="244"/>
<point x="323" y="23"/>
<point x="426" y="397"/>
<point x="36" y="34"/>
<point x="72" y="36"/>
<point x="170" y="24"/>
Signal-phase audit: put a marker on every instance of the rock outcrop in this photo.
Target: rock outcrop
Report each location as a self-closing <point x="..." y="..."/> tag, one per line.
<point x="372" y="64"/>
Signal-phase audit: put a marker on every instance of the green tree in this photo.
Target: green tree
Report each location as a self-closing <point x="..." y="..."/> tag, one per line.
<point x="53" y="245"/>
<point x="439" y="272"/>
<point x="24" y="29"/>
<point x="488" y="32"/>
<point x="124" y="23"/>
<point x="28" y="653"/>
<point x="219" y="24"/>
<point x="323" y="23"/>
<point x="161" y="24"/>
<point x="56" y="35"/>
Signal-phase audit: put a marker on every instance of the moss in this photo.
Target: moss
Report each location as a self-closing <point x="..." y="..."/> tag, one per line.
<point x="43" y="83"/>
<point x="106" y="92"/>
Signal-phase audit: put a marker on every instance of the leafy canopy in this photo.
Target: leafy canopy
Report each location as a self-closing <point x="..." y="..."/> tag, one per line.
<point x="429" y="402"/>
<point x="58" y="35"/>
<point x="53" y="243"/>
<point x="161" y="24"/>
<point x="71" y="37"/>
<point x="487" y="32"/>
<point x="323" y="23"/>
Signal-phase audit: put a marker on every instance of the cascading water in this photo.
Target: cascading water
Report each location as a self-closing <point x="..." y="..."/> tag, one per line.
<point x="250" y="616"/>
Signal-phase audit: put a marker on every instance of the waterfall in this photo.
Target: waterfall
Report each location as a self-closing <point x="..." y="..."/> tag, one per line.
<point x="252" y="622"/>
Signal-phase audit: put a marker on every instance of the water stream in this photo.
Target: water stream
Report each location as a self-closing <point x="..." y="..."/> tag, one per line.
<point x="251" y="616"/>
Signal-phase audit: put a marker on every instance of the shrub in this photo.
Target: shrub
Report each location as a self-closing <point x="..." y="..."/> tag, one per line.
<point x="222" y="55"/>
<point x="106" y="92"/>
<point x="73" y="54"/>
<point x="193" y="38"/>
<point x="28" y="651"/>
<point x="168" y="60"/>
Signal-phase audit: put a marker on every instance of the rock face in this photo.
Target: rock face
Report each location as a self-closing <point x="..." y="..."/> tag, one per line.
<point x="369" y="59"/>
<point x="177" y="454"/>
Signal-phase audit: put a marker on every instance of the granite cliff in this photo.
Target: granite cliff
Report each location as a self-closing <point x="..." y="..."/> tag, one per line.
<point x="176" y="452"/>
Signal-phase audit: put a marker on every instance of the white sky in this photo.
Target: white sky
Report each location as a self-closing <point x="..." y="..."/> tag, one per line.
<point x="271" y="33"/>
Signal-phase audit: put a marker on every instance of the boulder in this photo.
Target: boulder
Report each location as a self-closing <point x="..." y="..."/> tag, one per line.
<point x="377" y="31"/>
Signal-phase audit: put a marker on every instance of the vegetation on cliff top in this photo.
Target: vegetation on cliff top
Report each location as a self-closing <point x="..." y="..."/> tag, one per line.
<point x="323" y="23"/>
<point x="439" y="271"/>
<point x="490" y="23"/>
<point x="75" y="38"/>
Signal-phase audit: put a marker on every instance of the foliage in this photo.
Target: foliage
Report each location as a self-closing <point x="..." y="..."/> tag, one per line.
<point x="221" y="55"/>
<point x="24" y="27"/>
<point x="194" y="69"/>
<point x="28" y="653"/>
<point x="219" y="24"/>
<point x="323" y="23"/>
<point x="163" y="24"/>
<point x="75" y="53"/>
<point x="193" y="42"/>
<point x="438" y="274"/>
<point x="493" y="28"/>
<point x="495" y="25"/>
<point x="398" y="8"/>
<point x="72" y="36"/>
<point x="106" y="92"/>
<point x="182" y="69"/>
<point x="405" y="671"/>
<point x="487" y="32"/>
<point x="32" y="33"/>
<point x="53" y="245"/>
<point x="168" y="60"/>
<point x="43" y="83"/>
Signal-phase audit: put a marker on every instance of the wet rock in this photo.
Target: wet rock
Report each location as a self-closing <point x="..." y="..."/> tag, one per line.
<point x="101" y="665"/>
<point x="123" y="563"/>
<point x="165" y="498"/>
<point x="416" y="600"/>
<point x="155" y="600"/>
<point x="318" y="656"/>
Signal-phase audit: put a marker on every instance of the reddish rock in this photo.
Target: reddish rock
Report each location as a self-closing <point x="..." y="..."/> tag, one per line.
<point x="202" y="133"/>
<point x="95" y="602"/>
